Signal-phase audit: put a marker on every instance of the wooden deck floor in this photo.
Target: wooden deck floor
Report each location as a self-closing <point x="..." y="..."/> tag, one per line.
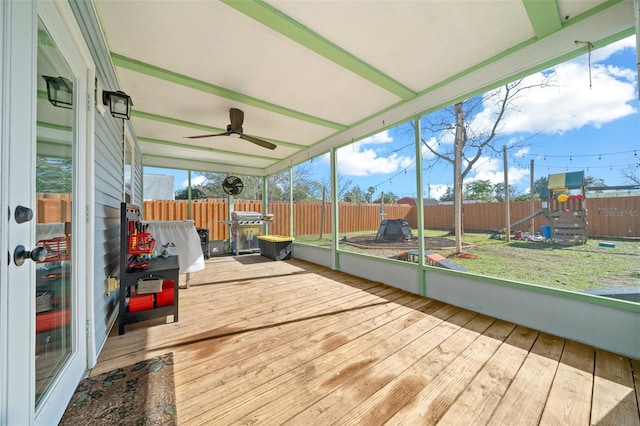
<point x="263" y="342"/>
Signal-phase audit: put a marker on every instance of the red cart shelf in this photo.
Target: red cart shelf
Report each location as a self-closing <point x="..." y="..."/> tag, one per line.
<point x="56" y="249"/>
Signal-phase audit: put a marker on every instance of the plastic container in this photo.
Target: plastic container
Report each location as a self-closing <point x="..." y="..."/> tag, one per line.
<point x="546" y="232"/>
<point x="140" y="302"/>
<point x="275" y="247"/>
<point x="165" y="297"/>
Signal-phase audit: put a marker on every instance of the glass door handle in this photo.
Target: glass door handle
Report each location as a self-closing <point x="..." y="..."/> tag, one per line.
<point x="20" y="254"/>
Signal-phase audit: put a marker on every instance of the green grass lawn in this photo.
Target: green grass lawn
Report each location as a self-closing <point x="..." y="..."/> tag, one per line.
<point x="570" y="267"/>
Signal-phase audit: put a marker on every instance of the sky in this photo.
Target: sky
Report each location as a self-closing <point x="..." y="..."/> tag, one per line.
<point x="587" y="119"/>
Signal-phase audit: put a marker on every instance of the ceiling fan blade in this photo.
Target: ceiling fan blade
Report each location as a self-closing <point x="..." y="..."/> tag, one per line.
<point x="257" y="141"/>
<point x="237" y="118"/>
<point x="207" y="136"/>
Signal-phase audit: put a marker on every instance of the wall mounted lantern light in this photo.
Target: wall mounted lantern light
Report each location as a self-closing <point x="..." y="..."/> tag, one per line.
<point x="59" y="91"/>
<point x="119" y="103"/>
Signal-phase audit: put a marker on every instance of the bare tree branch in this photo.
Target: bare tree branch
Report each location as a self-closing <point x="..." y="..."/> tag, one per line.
<point x="632" y="174"/>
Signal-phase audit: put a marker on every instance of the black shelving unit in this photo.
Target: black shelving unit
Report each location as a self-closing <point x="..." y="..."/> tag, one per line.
<point x="167" y="268"/>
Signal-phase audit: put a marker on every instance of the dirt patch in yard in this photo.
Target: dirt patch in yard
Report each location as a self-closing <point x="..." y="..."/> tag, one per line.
<point x="430" y="243"/>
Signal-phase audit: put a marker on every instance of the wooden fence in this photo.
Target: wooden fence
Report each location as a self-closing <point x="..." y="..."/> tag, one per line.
<point x="607" y="217"/>
<point x="308" y="218"/>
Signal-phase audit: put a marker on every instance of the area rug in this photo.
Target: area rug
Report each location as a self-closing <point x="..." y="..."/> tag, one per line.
<point x="139" y="394"/>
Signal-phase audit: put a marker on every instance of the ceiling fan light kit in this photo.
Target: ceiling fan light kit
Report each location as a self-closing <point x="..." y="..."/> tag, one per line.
<point x="234" y="129"/>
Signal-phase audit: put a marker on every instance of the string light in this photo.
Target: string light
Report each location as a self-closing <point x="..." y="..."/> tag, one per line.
<point x="564" y="166"/>
<point x="583" y="155"/>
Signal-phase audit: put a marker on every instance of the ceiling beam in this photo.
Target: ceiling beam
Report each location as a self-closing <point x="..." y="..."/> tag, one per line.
<point x="544" y="16"/>
<point x="212" y="89"/>
<point x="150" y="160"/>
<point x="202" y="127"/>
<point x="203" y="148"/>
<point x="269" y="16"/>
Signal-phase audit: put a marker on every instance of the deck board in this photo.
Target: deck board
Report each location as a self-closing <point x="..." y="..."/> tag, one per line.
<point x="614" y="399"/>
<point x="570" y="396"/>
<point x="289" y="342"/>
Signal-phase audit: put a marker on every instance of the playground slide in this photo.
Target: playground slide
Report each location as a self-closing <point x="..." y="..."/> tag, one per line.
<point x="531" y="216"/>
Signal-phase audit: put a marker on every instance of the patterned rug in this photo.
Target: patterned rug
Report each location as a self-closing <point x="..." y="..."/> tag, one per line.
<point x="139" y="394"/>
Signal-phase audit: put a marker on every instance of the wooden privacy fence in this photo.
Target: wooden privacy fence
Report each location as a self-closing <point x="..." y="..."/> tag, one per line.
<point x="308" y="218"/>
<point x="607" y="217"/>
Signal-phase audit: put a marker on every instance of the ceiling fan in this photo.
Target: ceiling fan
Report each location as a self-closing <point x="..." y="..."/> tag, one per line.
<point x="235" y="129"/>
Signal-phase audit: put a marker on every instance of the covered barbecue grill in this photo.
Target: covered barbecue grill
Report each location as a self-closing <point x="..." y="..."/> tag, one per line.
<point x="244" y="228"/>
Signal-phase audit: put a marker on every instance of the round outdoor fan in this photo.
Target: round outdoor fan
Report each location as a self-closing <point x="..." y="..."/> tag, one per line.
<point x="232" y="185"/>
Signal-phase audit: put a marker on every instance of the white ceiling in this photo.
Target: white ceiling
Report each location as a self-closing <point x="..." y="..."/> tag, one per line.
<point x="311" y="75"/>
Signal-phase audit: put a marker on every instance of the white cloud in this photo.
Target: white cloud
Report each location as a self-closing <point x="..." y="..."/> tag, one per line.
<point x="570" y="103"/>
<point x="382" y="137"/>
<point x="358" y="160"/>
<point x="436" y="190"/>
<point x="433" y="143"/>
<point x="355" y="160"/>
<point x="491" y="169"/>
<point x="198" y="180"/>
<point x="606" y="52"/>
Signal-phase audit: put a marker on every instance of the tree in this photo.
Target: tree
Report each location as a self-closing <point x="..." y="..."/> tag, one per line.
<point x="343" y="185"/>
<point x="477" y="137"/>
<point x="278" y="184"/>
<point x="448" y="195"/>
<point x="541" y="185"/>
<point x="389" y="198"/>
<point x="593" y="181"/>
<point x="479" y="190"/>
<point x="354" y="195"/>
<point x="632" y="174"/>
<point x="197" y="193"/>
<point x="498" y="193"/>
<point x="369" y="195"/>
<point x="519" y="197"/>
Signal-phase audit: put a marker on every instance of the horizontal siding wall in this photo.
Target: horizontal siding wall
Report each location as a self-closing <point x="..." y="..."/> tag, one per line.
<point x="108" y="177"/>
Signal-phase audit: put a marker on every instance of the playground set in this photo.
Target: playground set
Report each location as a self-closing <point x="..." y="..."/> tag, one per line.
<point x="564" y="206"/>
